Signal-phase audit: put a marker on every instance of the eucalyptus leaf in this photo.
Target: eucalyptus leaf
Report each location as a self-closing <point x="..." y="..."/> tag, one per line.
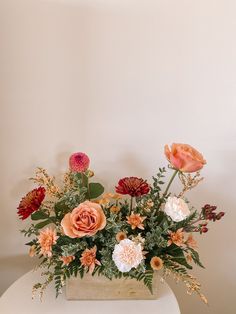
<point x="95" y="190"/>
<point x="42" y="224"/>
<point x="38" y="215"/>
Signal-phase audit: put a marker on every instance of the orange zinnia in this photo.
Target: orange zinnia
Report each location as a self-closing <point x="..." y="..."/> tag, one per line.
<point x="156" y="263"/>
<point x="121" y="236"/>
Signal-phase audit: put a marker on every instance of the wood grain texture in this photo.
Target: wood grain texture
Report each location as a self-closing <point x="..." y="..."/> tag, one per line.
<point x="101" y="288"/>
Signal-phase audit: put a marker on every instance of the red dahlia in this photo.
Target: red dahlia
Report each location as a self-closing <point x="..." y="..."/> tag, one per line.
<point x="132" y="186"/>
<point x="31" y="202"/>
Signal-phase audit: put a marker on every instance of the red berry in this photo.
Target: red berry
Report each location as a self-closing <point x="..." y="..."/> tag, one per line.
<point x="204" y="229"/>
<point x="220" y="215"/>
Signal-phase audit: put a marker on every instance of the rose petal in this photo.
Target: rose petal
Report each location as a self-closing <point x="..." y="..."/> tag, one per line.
<point x="66" y="225"/>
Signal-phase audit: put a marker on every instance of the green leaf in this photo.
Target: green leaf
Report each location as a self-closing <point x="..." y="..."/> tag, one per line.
<point x="95" y="190"/>
<point x="196" y="258"/>
<point x="30" y="243"/>
<point x="72" y="249"/>
<point x="61" y="209"/>
<point x="178" y="255"/>
<point x="39" y="215"/>
<point x="42" y="224"/>
<point x="185" y="223"/>
<point x="80" y="179"/>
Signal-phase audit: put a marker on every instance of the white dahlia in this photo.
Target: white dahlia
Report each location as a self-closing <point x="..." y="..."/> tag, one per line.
<point x="127" y="254"/>
<point x="176" y="208"/>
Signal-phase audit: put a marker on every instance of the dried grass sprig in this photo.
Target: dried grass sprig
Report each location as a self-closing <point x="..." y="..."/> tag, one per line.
<point x="189" y="181"/>
<point x="43" y="179"/>
<point x="173" y="268"/>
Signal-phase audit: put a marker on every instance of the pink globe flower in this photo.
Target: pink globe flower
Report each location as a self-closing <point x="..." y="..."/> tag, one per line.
<point x="79" y="162"/>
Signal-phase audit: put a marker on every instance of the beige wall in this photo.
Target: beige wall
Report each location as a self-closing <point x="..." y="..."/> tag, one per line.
<point x="118" y="79"/>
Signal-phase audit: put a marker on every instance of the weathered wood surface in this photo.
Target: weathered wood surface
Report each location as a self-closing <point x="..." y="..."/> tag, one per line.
<point x="101" y="288"/>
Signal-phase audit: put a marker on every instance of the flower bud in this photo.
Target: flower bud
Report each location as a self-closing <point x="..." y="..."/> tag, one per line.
<point x="220" y="215"/>
<point x="204" y="229"/>
<point x="90" y="173"/>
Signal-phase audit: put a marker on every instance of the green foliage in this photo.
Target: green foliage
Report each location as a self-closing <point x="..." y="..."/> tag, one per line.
<point x="58" y="279"/>
<point x="42" y="224"/>
<point x="69" y="201"/>
<point x="146" y="277"/>
<point x="155" y="239"/>
<point x="30" y="231"/>
<point x="71" y="249"/>
<point x="74" y="269"/>
<point x="95" y="190"/>
<point x="156" y="187"/>
<point x="177" y="255"/>
<point x="170" y="264"/>
<point x="39" y="215"/>
<point x="186" y="223"/>
<point x="195" y="257"/>
<point x="114" y="225"/>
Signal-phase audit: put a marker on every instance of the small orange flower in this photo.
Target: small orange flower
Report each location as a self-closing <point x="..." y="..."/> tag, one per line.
<point x="136" y="221"/>
<point x="121" y="236"/>
<point x="176" y="237"/>
<point x="156" y="263"/>
<point x="32" y="251"/>
<point x="103" y="201"/>
<point x="148" y="205"/>
<point x="114" y="196"/>
<point x="107" y="198"/>
<point x="67" y="259"/>
<point x="46" y="239"/>
<point x="88" y="259"/>
<point x="190" y="242"/>
<point x="115" y="209"/>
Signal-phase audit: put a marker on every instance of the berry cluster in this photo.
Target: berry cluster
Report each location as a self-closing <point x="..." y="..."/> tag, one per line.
<point x="209" y="214"/>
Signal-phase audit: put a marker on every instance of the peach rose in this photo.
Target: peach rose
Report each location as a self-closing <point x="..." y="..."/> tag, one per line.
<point x="184" y="157"/>
<point x="85" y="220"/>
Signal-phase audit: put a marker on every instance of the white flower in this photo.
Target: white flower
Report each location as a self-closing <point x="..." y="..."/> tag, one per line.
<point x="127" y="254"/>
<point x="176" y="208"/>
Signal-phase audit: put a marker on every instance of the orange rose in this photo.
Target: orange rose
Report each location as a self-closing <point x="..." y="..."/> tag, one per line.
<point x="85" y="220"/>
<point x="184" y="157"/>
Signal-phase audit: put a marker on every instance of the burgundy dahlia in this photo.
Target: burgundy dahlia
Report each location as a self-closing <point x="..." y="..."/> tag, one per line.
<point x="132" y="186"/>
<point x="79" y="162"/>
<point x="31" y="202"/>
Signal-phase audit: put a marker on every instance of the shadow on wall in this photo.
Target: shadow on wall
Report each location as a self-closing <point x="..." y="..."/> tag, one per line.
<point x="13" y="267"/>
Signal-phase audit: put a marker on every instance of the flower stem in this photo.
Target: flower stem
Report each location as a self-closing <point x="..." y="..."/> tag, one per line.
<point x="88" y="190"/>
<point x="167" y="188"/>
<point x="169" y="184"/>
<point x="131" y="204"/>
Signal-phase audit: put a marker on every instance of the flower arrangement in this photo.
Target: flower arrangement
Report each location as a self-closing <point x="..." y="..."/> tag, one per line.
<point x="133" y="232"/>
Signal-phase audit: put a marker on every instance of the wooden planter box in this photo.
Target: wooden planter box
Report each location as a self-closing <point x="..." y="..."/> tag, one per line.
<point x="101" y="288"/>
